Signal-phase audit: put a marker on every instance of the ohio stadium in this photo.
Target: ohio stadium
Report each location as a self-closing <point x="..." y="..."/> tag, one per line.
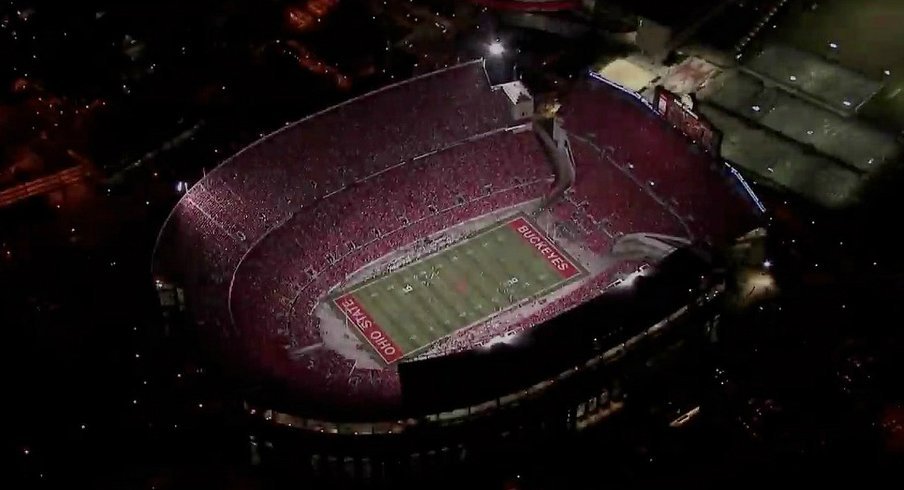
<point x="432" y="253"/>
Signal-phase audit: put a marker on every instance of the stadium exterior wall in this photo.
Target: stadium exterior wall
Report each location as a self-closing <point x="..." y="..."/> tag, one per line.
<point x="591" y="393"/>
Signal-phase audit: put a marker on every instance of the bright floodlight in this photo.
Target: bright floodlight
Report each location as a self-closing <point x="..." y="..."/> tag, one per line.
<point x="496" y="48"/>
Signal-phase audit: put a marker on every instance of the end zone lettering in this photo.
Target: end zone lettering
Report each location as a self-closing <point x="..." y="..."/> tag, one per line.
<point x="370" y="330"/>
<point x="542" y="244"/>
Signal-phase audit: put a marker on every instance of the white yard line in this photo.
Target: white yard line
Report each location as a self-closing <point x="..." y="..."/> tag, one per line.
<point x="425" y="258"/>
<point x="539" y="294"/>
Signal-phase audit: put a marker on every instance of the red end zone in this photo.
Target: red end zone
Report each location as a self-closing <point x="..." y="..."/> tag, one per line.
<point x="558" y="261"/>
<point x="376" y="337"/>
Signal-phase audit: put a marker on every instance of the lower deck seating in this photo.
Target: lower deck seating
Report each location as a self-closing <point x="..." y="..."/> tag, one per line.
<point x="284" y="276"/>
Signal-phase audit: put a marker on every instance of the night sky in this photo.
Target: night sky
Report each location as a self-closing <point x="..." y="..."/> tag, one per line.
<point x="146" y="96"/>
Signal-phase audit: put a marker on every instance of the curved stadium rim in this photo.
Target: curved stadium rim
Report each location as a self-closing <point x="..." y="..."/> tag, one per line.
<point x="259" y="141"/>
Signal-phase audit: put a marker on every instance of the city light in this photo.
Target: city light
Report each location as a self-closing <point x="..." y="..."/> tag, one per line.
<point x="496" y="48"/>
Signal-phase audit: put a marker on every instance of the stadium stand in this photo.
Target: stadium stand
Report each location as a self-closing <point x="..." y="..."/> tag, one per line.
<point x="310" y="165"/>
<point x="672" y="168"/>
<point x="315" y="251"/>
<point x="267" y="182"/>
<point x="610" y="199"/>
<point x="263" y="239"/>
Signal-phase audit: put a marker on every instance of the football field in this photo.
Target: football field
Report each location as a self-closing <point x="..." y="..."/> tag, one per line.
<point x="406" y="310"/>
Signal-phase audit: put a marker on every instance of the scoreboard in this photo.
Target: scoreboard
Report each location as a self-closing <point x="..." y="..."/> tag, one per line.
<point x="680" y="113"/>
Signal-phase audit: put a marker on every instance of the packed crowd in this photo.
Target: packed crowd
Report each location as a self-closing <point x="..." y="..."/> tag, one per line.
<point x="602" y="204"/>
<point x="315" y="251"/>
<point x="633" y="174"/>
<point x="664" y="160"/>
<point x="269" y="181"/>
<point x="264" y="237"/>
<point x="222" y="217"/>
<point x="607" y="198"/>
<point x="191" y="238"/>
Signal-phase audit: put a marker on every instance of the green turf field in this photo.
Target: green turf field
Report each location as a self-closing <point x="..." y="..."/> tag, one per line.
<point x="456" y="287"/>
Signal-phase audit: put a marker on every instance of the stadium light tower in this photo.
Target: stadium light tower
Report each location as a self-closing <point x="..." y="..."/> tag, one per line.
<point x="496" y="48"/>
